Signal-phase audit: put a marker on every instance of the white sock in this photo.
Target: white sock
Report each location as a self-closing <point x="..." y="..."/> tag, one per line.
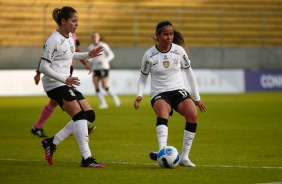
<point x="81" y="134"/>
<point x="187" y="143"/>
<point x="162" y="133"/>
<point x="67" y="131"/>
<point x="115" y="97"/>
<point x="101" y="98"/>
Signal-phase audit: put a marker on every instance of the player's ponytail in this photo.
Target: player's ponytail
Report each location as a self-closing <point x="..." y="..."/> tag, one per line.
<point x="64" y="13"/>
<point x="179" y="40"/>
<point x="55" y="16"/>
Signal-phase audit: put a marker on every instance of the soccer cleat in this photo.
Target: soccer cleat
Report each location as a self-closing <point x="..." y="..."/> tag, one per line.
<point x="154" y="156"/>
<point x="90" y="162"/>
<point x="91" y="130"/>
<point x="49" y="148"/>
<point x="186" y="163"/>
<point x="38" y="131"/>
<point x="103" y="106"/>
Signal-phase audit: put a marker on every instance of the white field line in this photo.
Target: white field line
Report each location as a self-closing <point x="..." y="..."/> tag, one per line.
<point x="131" y="163"/>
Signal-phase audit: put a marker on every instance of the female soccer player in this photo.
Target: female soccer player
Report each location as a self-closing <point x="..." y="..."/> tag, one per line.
<point x="51" y="105"/>
<point x="59" y="50"/>
<point x="101" y="67"/>
<point x="164" y="62"/>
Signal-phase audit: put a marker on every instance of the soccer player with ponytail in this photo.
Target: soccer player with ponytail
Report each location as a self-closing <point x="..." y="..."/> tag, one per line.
<point x="164" y="62"/>
<point x="58" y="53"/>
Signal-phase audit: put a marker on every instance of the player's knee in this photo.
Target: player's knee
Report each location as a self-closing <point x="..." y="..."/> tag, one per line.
<point x="79" y="116"/>
<point x="90" y="116"/>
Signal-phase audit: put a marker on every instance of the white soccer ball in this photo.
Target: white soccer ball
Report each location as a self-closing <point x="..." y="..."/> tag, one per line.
<point x="168" y="157"/>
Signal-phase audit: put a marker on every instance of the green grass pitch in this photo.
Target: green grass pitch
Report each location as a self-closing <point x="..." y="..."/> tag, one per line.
<point x="237" y="141"/>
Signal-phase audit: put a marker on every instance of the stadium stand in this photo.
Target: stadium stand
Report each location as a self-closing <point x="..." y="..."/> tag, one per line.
<point x="209" y="23"/>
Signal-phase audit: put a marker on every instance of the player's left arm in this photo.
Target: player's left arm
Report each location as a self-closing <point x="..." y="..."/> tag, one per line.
<point x="186" y="65"/>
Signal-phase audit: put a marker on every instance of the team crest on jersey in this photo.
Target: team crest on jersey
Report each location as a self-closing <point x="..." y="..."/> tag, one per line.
<point x="72" y="49"/>
<point x="175" y="61"/>
<point x="166" y="64"/>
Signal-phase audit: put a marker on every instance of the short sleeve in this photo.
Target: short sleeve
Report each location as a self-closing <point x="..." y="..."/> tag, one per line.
<point x="50" y="50"/>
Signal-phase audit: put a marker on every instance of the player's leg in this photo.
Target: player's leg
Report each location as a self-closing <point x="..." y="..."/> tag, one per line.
<point x="105" y="80"/>
<point x="45" y="114"/>
<point x="68" y="130"/>
<point x="162" y="110"/>
<point x="100" y="95"/>
<point x="81" y="120"/>
<point x="90" y="115"/>
<point x="188" y="109"/>
<point x="72" y="107"/>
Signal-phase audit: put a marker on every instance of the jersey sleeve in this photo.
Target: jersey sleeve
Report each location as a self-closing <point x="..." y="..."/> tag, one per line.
<point x="110" y="55"/>
<point x="145" y="67"/>
<point x="185" y="61"/>
<point x="50" y="50"/>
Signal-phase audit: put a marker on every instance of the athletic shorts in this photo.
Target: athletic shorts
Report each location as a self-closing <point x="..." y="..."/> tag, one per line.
<point x="64" y="93"/>
<point x="101" y="73"/>
<point x="173" y="98"/>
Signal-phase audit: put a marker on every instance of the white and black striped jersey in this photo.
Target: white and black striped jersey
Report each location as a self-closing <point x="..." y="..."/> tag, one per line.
<point x="165" y="68"/>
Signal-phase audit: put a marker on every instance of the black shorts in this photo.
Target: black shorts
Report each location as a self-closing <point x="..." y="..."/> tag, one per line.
<point x="64" y="93"/>
<point x="101" y="73"/>
<point x="173" y="98"/>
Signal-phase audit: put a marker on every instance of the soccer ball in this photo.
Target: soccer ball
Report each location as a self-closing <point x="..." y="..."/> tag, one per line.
<point x="168" y="157"/>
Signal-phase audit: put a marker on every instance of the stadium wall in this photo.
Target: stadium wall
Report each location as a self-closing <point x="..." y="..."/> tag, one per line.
<point x="123" y="82"/>
<point x="264" y="58"/>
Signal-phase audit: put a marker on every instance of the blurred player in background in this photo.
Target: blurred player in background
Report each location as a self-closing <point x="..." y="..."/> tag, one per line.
<point x="164" y="62"/>
<point x="58" y="53"/>
<point x="101" y="67"/>
<point x="50" y="107"/>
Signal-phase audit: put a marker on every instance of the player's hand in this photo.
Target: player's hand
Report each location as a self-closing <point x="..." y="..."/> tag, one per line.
<point x="137" y="101"/>
<point x="37" y="78"/>
<point x="72" y="81"/>
<point x="201" y="106"/>
<point x="96" y="52"/>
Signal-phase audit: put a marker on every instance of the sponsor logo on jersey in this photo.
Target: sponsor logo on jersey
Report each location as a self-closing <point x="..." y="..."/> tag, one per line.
<point x="175" y="52"/>
<point x="175" y="61"/>
<point x="62" y="41"/>
<point x="153" y="54"/>
<point x="145" y="66"/>
<point x="72" y="49"/>
<point x="165" y="57"/>
<point x="166" y="64"/>
<point x="186" y="60"/>
<point x="53" y="53"/>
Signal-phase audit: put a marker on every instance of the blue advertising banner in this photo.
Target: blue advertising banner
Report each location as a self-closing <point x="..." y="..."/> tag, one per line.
<point x="263" y="80"/>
